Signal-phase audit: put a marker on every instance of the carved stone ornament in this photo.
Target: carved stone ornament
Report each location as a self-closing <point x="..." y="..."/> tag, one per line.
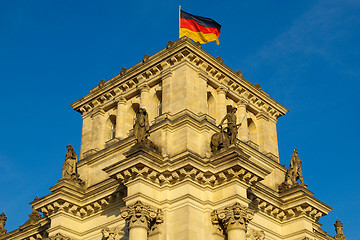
<point x="3" y="219"/>
<point x="169" y="44"/>
<point x="145" y="58"/>
<point x="101" y="83"/>
<point x="294" y="173"/>
<point x="339" y="230"/>
<point x="232" y="217"/>
<point x="59" y="236"/>
<point x="113" y="234"/>
<point x="34" y="216"/>
<point x="255" y="235"/>
<point x="141" y="215"/>
<point x="123" y="71"/>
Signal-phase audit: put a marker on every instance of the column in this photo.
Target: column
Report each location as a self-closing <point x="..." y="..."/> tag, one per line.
<point x="140" y="218"/>
<point x="120" y="131"/>
<point x="234" y="220"/>
<point x="97" y="131"/>
<point x="144" y="96"/>
<point x="166" y="90"/>
<point x="242" y="116"/>
<point x="221" y="104"/>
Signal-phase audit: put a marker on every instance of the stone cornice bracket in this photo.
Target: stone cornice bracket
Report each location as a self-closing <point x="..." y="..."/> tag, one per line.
<point x="120" y="99"/>
<point x="3" y="219"/>
<point x="232" y="217"/>
<point x="243" y="102"/>
<point x="141" y="215"/>
<point x="262" y="115"/>
<point x="98" y="111"/>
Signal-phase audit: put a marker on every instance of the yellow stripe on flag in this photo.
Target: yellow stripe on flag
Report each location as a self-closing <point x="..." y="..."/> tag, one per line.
<point x="199" y="36"/>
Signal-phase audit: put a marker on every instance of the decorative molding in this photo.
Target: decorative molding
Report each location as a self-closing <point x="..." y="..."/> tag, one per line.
<point x="81" y="210"/>
<point x="113" y="234"/>
<point x="141" y="215"/>
<point x="185" y="173"/>
<point x="233" y="217"/>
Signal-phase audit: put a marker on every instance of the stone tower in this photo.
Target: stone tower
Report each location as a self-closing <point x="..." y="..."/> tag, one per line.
<point x="164" y="181"/>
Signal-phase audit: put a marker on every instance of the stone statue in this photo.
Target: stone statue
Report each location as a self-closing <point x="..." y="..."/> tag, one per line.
<point x="294" y="173"/>
<point x="3" y="219"/>
<point x="141" y="126"/>
<point x="141" y="131"/>
<point x="228" y="135"/>
<point x="69" y="169"/>
<point x="339" y="230"/>
<point x="232" y="128"/>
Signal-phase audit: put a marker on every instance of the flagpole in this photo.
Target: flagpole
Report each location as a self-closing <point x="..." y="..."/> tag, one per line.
<point x="179" y="19"/>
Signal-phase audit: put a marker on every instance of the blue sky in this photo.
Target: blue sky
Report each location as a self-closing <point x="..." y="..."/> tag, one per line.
<point x="305" y="54"/>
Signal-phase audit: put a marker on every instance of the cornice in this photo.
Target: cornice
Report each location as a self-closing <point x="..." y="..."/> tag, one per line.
<point x="182" y="50"/>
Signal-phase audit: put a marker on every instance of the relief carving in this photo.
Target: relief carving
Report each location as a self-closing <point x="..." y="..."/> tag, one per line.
<point x="59" y="236"/>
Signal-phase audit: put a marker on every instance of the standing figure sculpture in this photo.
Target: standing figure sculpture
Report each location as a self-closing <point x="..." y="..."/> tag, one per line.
<point x="228" y="135"/>
<point x="141" y="125"/>
<point x="69" y="170"/>
<point x="232" y="128"/>
<point x="294" y="172"/>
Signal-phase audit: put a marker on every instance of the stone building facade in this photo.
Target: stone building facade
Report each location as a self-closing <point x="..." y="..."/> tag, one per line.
<point x="170" y="184"/>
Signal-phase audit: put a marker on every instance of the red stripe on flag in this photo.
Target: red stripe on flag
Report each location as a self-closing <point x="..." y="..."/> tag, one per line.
<point x="193" y="26"/>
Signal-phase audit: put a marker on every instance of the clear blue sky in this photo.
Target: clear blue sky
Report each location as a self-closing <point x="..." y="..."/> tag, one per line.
<point x="305" y="54"/>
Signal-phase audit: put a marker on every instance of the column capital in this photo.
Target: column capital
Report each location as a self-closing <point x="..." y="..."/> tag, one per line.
<point x="144" y="88"/>
<point x="233" y="217"/>
<point x="98" y="111"/>
<point x="222" y="90"/>
<point x="120" y="99"/>
<point x="141" y="215"/>
<point x="262" y="115"/>
<point x="243" y="102"/>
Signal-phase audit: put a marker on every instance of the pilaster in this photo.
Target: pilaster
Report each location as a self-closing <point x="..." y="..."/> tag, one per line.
<point x="97" y="131"/>
<point x="221" y="103"/>
<point x="86" y="134"/>
<point x="120" y="131"/>
<point x="267" y="134"/>
<point x="241" y="116"/>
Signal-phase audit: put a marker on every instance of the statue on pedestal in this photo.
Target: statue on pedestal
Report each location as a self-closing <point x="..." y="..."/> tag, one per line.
<point x="339" y="230"/>
<point x="70" y="166"/>
<point x="294" y="173"/>
<point x="141" y="125"/>
<point x="227" y="136"/>
<point x="69" y="170"/>
<point x="141" y="130"/>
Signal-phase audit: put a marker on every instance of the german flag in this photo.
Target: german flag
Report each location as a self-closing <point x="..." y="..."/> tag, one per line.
<point x="199" y="29"/>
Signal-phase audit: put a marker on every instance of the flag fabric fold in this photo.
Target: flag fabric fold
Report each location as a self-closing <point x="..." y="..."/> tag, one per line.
<point x="199" y="29"/>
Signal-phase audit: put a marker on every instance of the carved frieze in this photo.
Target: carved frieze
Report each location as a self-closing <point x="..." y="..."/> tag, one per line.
<point x="141" y="215"/>
<point x="233" y="217"/>
<point x="188" y="172"/>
